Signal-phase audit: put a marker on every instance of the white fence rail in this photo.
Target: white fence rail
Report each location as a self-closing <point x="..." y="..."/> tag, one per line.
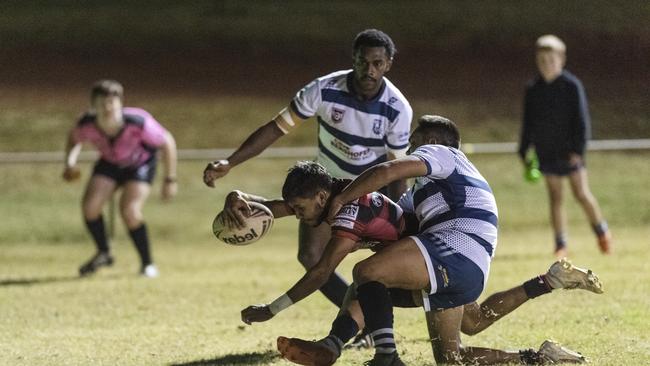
<point x="307" y="152"/>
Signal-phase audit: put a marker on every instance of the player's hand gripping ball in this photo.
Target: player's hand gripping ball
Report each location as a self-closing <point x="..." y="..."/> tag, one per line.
<point x="71" y="174"/>
<point x="258" y="224"/>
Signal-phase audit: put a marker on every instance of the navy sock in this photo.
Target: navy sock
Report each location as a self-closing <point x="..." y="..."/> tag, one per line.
<point x="98" y="232"/>
<point x="600" y="228"/>
<point x="536" y="287"/>
<point x="344" y="328"/>
<point x="377" y="310"/>
<point x="141" y="242"/>
<point x="334" y="289"/>
<point x="560" y="241"/>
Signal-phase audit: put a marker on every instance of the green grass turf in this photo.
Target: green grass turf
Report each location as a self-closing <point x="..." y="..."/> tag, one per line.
<point x="190" y="315"/>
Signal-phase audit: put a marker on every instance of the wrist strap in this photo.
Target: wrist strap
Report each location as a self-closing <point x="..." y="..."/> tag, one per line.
<point x="280" y="304"/>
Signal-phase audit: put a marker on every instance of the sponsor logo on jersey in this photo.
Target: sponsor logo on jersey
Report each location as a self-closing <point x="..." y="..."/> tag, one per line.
<point x="343" y="223"/>
<point x="392" y="100"/>
<point x="347" y="151"/>
<point x="348" y="212"/>
<point x="376" y="200"/>
<point x="377" y="127"/>
<point x="337" y="114"/>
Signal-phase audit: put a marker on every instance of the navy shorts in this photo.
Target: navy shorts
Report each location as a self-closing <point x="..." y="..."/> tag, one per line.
<point x="143" y="173"/>
<point x="455" y="279"/>
<point x="558" y="167"/>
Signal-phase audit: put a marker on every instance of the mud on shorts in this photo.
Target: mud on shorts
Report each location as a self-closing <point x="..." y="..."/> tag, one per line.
<point x="455" y="280"/>
<point x="142" y="173"/>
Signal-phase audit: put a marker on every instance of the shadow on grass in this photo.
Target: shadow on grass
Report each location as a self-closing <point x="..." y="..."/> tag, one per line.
<point x="46" y="280"/>
<point x="251" y="358"/>
<point x="37" y="280"/>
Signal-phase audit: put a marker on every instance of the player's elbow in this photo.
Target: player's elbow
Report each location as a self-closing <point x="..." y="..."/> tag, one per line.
<point x="169" y="143"/>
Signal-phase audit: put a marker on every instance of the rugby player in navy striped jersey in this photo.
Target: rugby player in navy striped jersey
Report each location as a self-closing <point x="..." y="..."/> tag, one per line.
<point x="449" y="258"/>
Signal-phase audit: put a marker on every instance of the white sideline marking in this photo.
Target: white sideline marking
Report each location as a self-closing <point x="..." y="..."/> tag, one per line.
<point x="310" y="152"/>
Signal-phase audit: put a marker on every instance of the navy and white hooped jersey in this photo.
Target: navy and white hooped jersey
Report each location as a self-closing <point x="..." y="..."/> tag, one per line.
<point x="454" y="204"/>
<point x="354" y="135"/>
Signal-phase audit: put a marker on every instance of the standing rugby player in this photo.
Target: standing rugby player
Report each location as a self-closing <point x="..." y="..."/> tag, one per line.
<point x="363" y="120"/>
<point x="127" y="140"/>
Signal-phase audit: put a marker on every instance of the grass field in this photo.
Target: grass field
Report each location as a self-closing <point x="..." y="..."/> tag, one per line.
<point x="190" y="315"/>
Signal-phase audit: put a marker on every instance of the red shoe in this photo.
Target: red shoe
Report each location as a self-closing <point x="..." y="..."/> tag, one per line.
<point x="605" y="242"/>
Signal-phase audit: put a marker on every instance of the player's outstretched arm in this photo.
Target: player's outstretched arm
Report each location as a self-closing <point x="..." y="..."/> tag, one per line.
<point x="257" y="142"/>
<point x="376" y="177"/>
<point x="315" y="278"/>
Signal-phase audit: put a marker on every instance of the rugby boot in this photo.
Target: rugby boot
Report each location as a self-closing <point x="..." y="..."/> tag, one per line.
<point x="150" y="271"/>
<point x="605" y="242"/>
<point x="307" y="353"/>
<point x="385" y="359"/>
<point x="563" y="274"/>
<point x="98" y="260"/>
<point x="363" y="340"/>
<point x="551" y="353"/>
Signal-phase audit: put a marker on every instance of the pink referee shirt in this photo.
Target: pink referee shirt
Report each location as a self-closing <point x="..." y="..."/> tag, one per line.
<point x="138" y="140"/>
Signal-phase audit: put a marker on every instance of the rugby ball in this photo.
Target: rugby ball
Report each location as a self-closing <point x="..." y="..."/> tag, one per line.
<point x="257" y="225"/>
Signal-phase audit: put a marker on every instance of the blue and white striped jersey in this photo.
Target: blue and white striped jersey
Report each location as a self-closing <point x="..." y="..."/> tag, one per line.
<point x="354" y="135"/>
<point x="454" y="204"/>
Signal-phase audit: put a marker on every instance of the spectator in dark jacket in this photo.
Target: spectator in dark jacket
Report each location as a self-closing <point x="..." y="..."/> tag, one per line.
<point x="556" y="124"/>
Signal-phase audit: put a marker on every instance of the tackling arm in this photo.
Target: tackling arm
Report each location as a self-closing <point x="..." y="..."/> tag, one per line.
<point x="398" y="187"/>
<point x="376" y="177"/>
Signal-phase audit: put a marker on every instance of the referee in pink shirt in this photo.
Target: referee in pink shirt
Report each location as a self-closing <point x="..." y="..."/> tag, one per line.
<point x="127" y="140"/>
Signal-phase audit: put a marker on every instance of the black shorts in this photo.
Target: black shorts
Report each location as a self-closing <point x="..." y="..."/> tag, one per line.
<point x="558" y="166"/>
<point x="142" y="173"/>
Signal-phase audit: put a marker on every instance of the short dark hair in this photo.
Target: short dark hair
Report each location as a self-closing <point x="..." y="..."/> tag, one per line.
<point x="440" y="129"/>
<point x="105" y="88"/>
<point x="374" y="38"/>
<point x="305" y="179"/>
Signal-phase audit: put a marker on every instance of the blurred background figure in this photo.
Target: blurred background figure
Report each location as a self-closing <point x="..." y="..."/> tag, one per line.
<point x="127" y="140"/>
<point x="556" y="124"/>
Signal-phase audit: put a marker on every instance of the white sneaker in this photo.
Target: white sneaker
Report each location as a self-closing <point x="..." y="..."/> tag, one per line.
<point x="150" y="271"/>
<point x="563" y="274"/>
<point x="551" y="352"/>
